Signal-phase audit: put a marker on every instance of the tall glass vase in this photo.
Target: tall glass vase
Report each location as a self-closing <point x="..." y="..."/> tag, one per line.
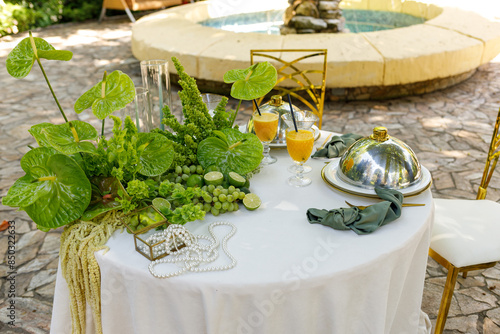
<point x="156" y="79"/>
<point x="139" y="110"/>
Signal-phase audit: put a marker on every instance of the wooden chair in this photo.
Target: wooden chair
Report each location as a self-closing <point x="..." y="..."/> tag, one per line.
<point x="466" y="233"/>
<point x="301" y="73"/>
<point x="128" y="5"/>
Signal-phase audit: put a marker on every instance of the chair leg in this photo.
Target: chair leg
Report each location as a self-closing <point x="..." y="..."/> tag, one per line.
<point x="129" y="14"/>
<point x="464" y="274"/>
<point x="449" y="287"/>
<point x="103" y="14"/>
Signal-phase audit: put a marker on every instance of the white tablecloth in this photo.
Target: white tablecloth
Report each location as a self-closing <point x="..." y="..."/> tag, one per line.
<point x="291" y="276"/>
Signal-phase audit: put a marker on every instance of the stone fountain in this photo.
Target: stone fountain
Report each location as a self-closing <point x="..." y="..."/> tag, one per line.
<point x="313" y="16"/>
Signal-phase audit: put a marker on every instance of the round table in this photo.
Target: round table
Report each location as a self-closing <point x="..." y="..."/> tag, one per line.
<point x="291" y="276"/>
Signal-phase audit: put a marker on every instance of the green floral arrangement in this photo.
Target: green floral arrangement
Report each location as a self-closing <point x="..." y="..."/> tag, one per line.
<point x="75" y="173"/>
<point x="82" y="180"/>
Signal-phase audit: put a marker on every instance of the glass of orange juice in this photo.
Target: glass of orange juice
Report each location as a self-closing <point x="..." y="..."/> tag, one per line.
<point x="299" y="143"/>
<point x="266" y="127"/>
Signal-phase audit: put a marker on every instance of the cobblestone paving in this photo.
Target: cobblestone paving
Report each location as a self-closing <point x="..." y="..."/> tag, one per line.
<point x="449" y="130"/>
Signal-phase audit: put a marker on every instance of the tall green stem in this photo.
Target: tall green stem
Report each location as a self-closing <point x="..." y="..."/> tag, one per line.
<point x="236" y="113"/>
<point x="51" y="90"/>
<point x="102" y="129"/>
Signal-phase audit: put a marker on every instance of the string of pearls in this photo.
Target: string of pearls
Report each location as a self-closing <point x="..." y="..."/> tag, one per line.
<point x="195" y="253"/>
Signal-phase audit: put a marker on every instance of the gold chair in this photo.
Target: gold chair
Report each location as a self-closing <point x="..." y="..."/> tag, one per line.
<point x="309" y="77"/>
<point x="128" y="5"/>
<point x="466" y="233"/>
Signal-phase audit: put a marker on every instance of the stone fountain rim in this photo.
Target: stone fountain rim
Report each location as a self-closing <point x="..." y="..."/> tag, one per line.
<point x="444" y="50"/>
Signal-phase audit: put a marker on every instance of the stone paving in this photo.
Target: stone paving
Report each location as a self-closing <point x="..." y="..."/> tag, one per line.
<point x="449" y="130"/>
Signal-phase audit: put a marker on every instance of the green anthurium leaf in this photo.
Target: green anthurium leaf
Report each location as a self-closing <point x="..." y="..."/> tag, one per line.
<point x="241" y="153"/>
<point x="40" y="135"/>
<point x="67" y="196"/>
<point x="105" y="191"/>
<point x="71" y="137"/>
<point x="59" y="188"/>
<point x="25" y="191"/>
<point x="157" y="154"/>
<point x="21" y="58"/>
<point x="55" y="55"/>
<point x="119" y="91"/>
<point x="252" y="82"/>
<point x="34" y="161"/>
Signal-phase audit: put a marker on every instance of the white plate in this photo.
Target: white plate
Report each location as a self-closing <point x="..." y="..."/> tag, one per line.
<point x="330" y="176"/>
<point x="317" y="134"/>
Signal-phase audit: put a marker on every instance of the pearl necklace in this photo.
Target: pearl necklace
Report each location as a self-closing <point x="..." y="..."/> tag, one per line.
<point x="190" y="257"/>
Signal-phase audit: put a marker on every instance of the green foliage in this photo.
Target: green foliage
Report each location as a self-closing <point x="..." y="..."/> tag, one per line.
<point x="198" y="124"/>
<point x="21" y="59"/>
<point x="105" y="196"/>
<point x="138" y="189"/>
<point x="15" y="18"/>
<point x="128" y="153"/>
<point x="54" y="191"/>
<point x="113" y="93"/>
<point x="22" y="15"/>
<point x="81" y="10"/>
<point x="185" y="210"/>
<point x="252" y="82"/>
<point x="68" y="138"/>
<point x="232" y="151"/>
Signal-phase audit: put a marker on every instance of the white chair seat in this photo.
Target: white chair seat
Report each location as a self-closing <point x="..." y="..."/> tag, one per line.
<point x="466" y="232"/>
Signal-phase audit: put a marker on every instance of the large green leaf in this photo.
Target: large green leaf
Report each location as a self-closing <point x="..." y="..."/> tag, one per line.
<point x="70" y="138"/>
<point x="38" y="132"/>
<point x="21" y="58"/>
<point x="105" y="191"/>
<point x="252" y="82"/>
<point x="119" y="91"/>
<point x="156" y="154"/>
<point x="58" y="187"/>
<point x="25" y="191"/>
<point x="240" y="153"/>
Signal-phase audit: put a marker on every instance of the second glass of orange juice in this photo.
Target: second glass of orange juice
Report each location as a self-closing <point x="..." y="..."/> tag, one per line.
<point x="266" y="128"/>
<point x="299" y="143"/>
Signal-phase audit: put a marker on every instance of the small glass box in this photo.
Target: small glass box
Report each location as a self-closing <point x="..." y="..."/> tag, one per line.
<point x="148" y="219"/>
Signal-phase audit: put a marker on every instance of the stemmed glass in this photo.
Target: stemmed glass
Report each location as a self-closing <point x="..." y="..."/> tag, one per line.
<point x="299" y="144"/>
<point x="266" y="126"/>
<point x="307" y="120"/>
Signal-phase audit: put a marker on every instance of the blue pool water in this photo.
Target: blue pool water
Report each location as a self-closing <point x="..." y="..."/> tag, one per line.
<point x="269" y="22"/>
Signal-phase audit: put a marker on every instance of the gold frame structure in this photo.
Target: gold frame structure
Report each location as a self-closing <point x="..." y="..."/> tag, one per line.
<point x="315" y="94"/>
<point x="139" y="233"/>
<point x="451" y="279"/>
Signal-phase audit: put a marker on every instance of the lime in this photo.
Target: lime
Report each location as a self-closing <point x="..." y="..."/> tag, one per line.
<point x="212" y="168"/>
<point x="161" y="204"/>
<point x="214" y="178"/>
<point x="236" y="179"/>
<point x="195" y="180"/>
<point x="251" y="202"/>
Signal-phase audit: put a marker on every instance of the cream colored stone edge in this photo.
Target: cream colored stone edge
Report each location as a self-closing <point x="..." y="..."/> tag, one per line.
<point x="451" y="42"/>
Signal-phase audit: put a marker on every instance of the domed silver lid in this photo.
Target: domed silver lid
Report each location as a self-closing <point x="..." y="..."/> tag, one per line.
<point x="379" y="161"/>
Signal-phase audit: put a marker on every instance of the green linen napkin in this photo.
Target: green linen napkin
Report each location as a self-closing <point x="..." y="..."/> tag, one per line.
<point x="361" y="221"/>
<point x="337" y="146"/>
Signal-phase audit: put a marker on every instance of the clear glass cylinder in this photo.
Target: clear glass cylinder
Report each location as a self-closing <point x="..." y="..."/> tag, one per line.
<point x="139" y="111"/>
<point x="156" y="79"/>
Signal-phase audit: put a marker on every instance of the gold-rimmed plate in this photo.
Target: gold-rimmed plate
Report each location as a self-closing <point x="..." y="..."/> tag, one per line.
<point x="330" y="176"/>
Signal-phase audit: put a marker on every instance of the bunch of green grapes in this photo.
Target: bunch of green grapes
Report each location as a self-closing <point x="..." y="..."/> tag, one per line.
<point x="183" y="174"/>
<point x="219" y="199"/>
